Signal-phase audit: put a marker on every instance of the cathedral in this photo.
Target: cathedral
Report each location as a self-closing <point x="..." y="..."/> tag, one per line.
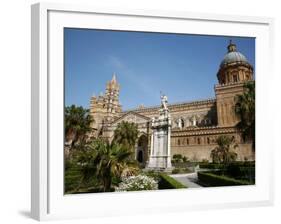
<point x="194" y="125"/>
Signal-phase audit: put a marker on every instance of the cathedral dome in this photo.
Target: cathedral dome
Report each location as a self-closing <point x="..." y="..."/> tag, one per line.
<point x="234" y="67"/>
<point x="233" y="56"/>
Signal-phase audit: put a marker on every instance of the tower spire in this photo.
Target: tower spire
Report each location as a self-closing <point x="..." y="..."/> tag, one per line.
<point x="113" y="78"/>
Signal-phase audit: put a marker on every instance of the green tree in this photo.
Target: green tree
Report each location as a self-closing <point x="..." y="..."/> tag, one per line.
<point x="105" y="161"/>
<point x="245" y="110"/>
<point x="77" y="124"/>
<point x="223" y="153"/>
<point x="126" y="134"/>
<point x="177" y="158"/>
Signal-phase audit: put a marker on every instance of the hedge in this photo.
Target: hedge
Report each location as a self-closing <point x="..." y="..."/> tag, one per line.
<point x="213" y="180"/>
<point x="221" y="165"/>
<point x="167" y="182"/>
<point x="185" y="164"/>
<point x="72" y="178"/>
<point x="211" y="166"/>
<point x="241" y="172"/>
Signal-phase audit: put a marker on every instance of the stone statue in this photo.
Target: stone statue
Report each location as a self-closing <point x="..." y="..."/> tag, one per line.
<point x="164" y="102"/>
<point x="180" y="123"/>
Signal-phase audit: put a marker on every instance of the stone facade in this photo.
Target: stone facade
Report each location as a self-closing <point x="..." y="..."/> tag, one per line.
<point x="194" y="125"/>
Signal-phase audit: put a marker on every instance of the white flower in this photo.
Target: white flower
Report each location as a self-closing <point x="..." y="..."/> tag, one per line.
<point x="136" y="183"/>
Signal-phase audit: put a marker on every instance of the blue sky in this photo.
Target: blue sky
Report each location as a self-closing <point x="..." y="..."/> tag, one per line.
<point x="184" y="67"/>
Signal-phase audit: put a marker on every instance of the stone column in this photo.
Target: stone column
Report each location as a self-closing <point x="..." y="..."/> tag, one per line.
<point x="169" y="165"/>
<point x="151" y="143"/>
<point x="136" y="150"/>
<point x="194" y="121"/>
<point x="222" y="114"/>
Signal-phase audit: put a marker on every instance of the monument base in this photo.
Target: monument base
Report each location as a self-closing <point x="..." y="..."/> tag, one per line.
<point x="157" y="169"/>
<point x="159" y="163"/>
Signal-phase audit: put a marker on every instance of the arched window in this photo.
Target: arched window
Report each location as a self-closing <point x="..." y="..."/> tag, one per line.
<point x="187" y="141"/>
<point x="179" y="142"/>
<point x="235" y="78"/>
<point x="208" y="140"/>
<point x="142" y="141"/>
<point x="198" y="141"/>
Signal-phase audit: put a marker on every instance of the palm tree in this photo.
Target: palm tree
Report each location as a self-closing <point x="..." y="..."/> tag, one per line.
<point x="245" y="110"/>
<point x="77" y="124"/>
<point x="105" y="161"/>
<point x="222" y="153"/>
<point x="126" y="134"/>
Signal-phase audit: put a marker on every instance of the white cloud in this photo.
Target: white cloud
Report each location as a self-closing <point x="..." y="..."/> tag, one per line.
<point x="116" y="62"/>
<point x="119" y="66"/>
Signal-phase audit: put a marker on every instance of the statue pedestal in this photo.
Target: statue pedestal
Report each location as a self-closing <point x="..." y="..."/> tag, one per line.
<point x="161" y="162"/>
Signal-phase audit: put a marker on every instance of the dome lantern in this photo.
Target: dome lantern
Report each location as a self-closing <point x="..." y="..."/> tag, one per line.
<point x="231" y="47"/>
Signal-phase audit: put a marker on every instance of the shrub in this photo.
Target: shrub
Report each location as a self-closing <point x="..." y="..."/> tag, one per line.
<point x="233" y="170"/>
<point x="175" y="171"/>
<point x="167" y="182"/>
<point x="205" y="161"/>
<point x="213" y="180"/>
<point x="221" y="165"/>
<point x="152" y="174"/>
<point x="71" y="182"/>
<point x="137" y="183"/>
<point x="177" y="158"/>
<point x="211" y="166"/>
<point x="241" y="172"/>
<point x="72" y="176"/>
<point x="74" y="183"/>
<point x="187" y="170"/>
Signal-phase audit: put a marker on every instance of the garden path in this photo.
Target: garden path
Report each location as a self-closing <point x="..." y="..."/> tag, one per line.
<point x="187" y="179"/>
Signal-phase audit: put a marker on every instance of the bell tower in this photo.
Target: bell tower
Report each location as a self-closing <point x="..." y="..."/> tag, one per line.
<point x="106" y="107"/>
<point x="233" y="72"/>
<point x="112" y="105"/>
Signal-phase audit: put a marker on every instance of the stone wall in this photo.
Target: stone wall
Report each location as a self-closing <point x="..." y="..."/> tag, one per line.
<point x="203" y="113"/>
<point x="200" y="152"/>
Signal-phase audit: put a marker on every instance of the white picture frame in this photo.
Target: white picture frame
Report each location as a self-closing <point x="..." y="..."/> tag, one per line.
<point x="48" y="201"/>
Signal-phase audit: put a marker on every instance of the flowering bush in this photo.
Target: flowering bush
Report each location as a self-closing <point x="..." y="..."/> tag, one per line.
<point x="137" y="183"/>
